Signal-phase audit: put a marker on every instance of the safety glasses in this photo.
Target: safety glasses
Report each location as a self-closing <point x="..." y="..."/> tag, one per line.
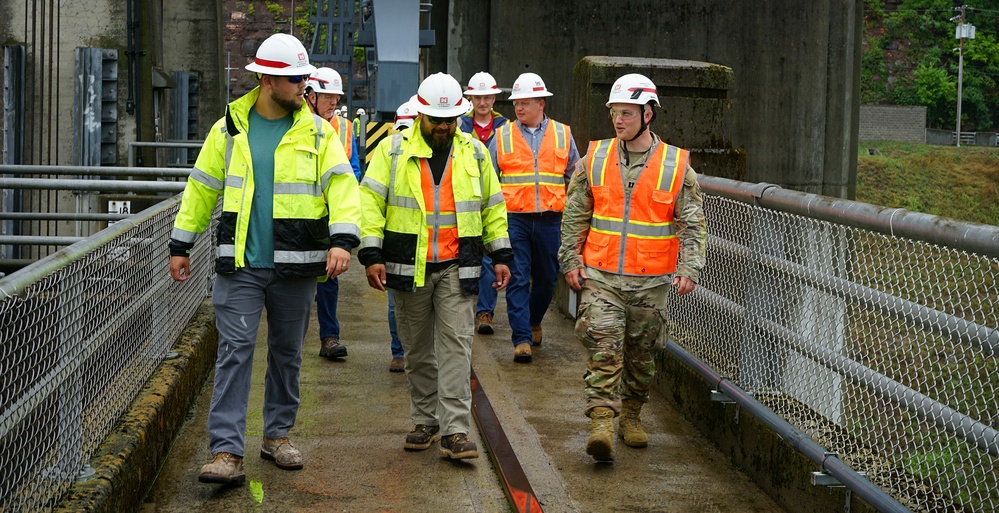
<point x="447" y="121"/>
<point x="297" y="79"/>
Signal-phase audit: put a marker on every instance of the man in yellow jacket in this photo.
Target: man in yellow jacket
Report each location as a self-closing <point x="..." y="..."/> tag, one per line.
<point x="290" y="214"/>
<point x="430" y="202"/>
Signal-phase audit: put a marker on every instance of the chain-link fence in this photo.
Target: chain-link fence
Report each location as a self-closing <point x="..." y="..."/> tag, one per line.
<point x="81" y="331"/>
<point x="872" y="330"/>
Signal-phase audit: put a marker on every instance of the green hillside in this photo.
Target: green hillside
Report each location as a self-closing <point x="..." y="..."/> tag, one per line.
<point x="961" y="183"/>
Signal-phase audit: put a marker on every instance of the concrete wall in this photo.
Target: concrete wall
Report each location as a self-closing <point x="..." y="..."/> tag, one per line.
<point x="182" y="35"/>
<point x="796" y="66"/>
<point x="892" y="123"/>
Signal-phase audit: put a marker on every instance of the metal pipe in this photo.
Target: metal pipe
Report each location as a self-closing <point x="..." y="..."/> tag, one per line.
<point x="90" y="185"/>
<point x="158" y="144"/>
<point x="977" y="238"/>
<point x="39" y="240"/>
<point x="46" y="216"/>
<point x="161" y="172"/>
<point x="16" y="284"/>
<point x="801" y="442"/>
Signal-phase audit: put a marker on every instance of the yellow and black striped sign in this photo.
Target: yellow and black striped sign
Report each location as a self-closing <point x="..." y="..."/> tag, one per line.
<point x="374" y="132"/>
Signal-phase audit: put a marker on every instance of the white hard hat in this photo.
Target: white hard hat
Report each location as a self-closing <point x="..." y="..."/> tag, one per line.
<point x="529" y="85"/>
<point x="635" y="89"/>
<point x="482" y="84"/>
<point x="360" y="112"/>
<point x="440" y="96"/>
<point x="281" y="54"/>
<point x="405" y="115"/>
<point x="326" y="81"/>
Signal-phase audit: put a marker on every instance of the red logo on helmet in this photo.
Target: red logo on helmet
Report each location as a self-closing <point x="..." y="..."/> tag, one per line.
<point x="443" y="100"/>
<point x="301" y="56"/>
<point x="617" y="87"/>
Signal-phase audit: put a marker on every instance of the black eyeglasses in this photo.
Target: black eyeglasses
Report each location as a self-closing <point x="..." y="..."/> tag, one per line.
<point x="447" y="121"/>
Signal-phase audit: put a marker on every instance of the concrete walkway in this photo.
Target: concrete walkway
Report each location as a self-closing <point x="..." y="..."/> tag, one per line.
<point x="355" y="415"/>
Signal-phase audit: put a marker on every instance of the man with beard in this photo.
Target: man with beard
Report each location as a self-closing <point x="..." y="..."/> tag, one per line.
<point x="275" y="166"/>
<point x="430" y="200"/>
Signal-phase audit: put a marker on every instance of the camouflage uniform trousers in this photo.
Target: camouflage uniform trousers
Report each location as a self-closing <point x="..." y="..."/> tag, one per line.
<point x="622" y="331"/>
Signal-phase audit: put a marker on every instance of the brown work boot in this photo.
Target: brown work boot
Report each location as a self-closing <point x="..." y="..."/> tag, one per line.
<point x="458" y="447"/>
<point x="225" y="468"/>
<point x="397" y="365"/>
<point x="536" y="335"/>
<point x="484" y="323"/>
<point x="630" y="426"/>
<point x="601" y="442"/>
<point x="282" y="452"/>
<point x="522" y="353"/>
<point x="422" y="436"/>
<point x="332" y="348"/>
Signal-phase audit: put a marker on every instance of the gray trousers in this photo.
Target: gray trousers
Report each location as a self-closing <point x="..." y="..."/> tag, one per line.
<point x="239" y="300"/>
<point x="435" y="325"/>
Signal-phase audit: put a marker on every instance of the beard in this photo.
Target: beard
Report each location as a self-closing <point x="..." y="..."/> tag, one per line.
<point x="437" y="138"/>
<point x="289" y="105"/>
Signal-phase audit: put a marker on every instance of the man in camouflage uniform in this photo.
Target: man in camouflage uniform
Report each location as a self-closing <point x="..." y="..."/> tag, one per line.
<point x="633" y="225"/>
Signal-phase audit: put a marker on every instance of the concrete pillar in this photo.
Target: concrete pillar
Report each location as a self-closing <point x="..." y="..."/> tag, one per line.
<point x="694" y="99"/>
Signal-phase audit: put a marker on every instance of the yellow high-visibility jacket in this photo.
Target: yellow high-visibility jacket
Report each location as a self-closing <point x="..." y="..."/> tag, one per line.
<point x="316" y="199"/>
<point x="394" y="216"/>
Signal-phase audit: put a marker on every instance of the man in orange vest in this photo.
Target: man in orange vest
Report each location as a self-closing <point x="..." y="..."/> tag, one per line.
<point x="483" y="122"/>
<point x="535" y="157"/>
<point x="322" y="93"/>
<point x="633" y="226"/>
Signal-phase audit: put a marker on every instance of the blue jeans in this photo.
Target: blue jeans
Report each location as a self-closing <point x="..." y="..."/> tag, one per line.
<point x="487" y="294"/>
<point x="396" y="344"/>
<point x="535" y="240"/>
<point x="326" y="298"/>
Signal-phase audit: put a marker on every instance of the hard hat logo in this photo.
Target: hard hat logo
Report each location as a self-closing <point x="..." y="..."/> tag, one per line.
<point x="302" y="57"/>
<point x="443" y="101"/>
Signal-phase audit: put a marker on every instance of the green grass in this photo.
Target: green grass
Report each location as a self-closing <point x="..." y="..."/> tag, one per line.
<point x="960" y="183"/>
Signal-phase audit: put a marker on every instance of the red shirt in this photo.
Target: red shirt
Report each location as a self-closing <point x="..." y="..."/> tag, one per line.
<point x="483" y="131"/>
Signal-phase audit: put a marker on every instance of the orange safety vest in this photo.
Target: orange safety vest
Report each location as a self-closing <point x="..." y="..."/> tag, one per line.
<point x="343" y="129"/>
<point x="633" y="233"/>
<point x="442" y="216"/>
<point x="533" y="184"/>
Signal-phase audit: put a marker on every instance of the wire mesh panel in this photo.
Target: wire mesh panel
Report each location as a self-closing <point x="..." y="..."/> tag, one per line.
<point x="77" y="343"/>
<point x="882" y="348"/>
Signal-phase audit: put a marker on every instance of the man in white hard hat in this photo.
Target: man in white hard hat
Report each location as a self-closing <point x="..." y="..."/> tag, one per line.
<point x="535" y="157"/>
<point x="274" y="165"/>
<point x="623" y="247"/>
<point x="322" y="95"/>
<point x="430" y="203"/>
<point x="482" y="122"/>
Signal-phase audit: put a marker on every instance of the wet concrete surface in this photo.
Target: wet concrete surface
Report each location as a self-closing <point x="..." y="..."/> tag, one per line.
<point x="355" y="415"/>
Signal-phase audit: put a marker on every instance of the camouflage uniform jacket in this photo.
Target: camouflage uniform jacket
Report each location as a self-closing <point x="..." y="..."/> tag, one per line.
<point x="688" y="212"/>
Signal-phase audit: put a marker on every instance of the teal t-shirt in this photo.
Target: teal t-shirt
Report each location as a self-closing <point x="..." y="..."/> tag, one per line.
<point x="263" y="136"/>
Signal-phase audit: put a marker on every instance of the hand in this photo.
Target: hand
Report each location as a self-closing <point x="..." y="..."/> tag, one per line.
<point x="683" y="285"/>
<point x="575" y="278"/>
<point x="337" y="261"/>
<point x="180" y="268"/>
<point x="376" y="276"/>
<point x="502" y="276"/>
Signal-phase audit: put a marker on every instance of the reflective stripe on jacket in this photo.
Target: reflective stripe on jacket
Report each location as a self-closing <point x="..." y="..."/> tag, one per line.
<point x="310" y="169"/>
<point x="632" y="232"/>
<point x="394" y="224"/>
<point x="442" y="219"/>
<point x="345" y="131"/>
<point x="533" y="183"/>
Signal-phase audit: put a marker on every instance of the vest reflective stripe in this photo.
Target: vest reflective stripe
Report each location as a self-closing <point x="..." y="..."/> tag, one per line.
<point x="306" y="189"/>
<point x="339" y="169"/>
<point x="533" y="183"/>
<point x="371" y="242"/>
<point x="298" y="257"/>
<point x="206" y="179"/>
<point x="403" y="202"/>
<point x="465" y="273"/>
<point x="225" y="251"/>
<point x="345" y="228"/>
<point x="236" y="182"/>
<point x="343" y="129"/>
<point x="632" y="231"/>
<point x="400" y="269"/>
<point x="442" y="217"/>
<point x="183" y="235"/>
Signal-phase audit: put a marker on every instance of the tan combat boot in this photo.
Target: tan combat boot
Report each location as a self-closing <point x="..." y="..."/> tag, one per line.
<point x="601" y="442"/>
<point x="630" y="425"/>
